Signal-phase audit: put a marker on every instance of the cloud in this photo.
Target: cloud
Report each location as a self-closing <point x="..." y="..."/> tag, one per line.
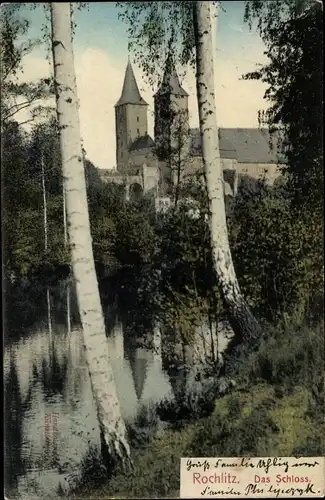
<point x="33" y="69"/>
<point x="237" y="100"/>
<point x="100" y="80"/>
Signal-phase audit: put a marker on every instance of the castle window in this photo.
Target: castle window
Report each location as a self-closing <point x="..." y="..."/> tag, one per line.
<point x="137" y="118"/>
<point x="138" y="131"/>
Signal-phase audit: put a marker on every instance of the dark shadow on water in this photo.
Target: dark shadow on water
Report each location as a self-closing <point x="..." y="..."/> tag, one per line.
<point x="13" y="438"/>
<point x="54" y="374"/>
<point x="25" y="305"/>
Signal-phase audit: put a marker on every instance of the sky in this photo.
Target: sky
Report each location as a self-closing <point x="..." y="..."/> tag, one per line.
<point x="101" y="54"/>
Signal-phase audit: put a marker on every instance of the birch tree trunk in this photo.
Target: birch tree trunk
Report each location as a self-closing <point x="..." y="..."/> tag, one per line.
<point x="242" y="321"/>
<point x="48" y="297"/>
<point x="65" y="228"/>
<point x="112" y="428"/>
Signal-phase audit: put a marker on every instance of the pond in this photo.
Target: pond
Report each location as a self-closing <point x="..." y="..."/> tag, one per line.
<point x="50" y="418"/>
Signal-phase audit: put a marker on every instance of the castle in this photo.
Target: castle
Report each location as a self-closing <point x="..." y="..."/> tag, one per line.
<point x="144" y="164"/>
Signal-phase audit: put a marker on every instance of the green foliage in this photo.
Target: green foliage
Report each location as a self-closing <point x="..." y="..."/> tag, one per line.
<point x="23" y="199"/>
<point x="277" y="253"/>
<point x="104" y="240"/>
<point x="159" y="267"/>
<point x="15" y="45"/>
<point x="293" y="34"/>
<point x="137" y="242"/>
<point x="157" y="29"/>
<point x="254" y="423"/>
<point x="44" y="148"/>
<point x="300" y="360"/>
<point x="274" y="412"/>
<point x="164" y="267"/>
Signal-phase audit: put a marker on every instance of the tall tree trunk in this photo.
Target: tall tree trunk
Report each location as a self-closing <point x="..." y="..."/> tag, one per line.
<point x="112" y="428"/>
<point x="178" y="179"/>
<point x="244" y="324"/>
<point x="48" y="297"/>
<point x="65" y="228"/>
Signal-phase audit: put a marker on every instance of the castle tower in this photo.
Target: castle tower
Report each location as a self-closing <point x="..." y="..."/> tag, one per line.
<point x="130" y="118"/>
<point x="171" y="115"/>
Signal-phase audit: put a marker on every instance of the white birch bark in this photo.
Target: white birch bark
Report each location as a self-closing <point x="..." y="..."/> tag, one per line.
<point x="244" y="324"/>
<point x="214" y="12"/>
<point x="111" y="424"/>
<point x="65" y="228"/>
<point x="48" y="298"/>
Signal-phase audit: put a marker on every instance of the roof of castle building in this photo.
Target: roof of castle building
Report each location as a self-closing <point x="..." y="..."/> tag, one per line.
<point x="227" y="149"/>
<point x="130" y="92"/>
<point x="246" y="145"/>
<point x="143" y="142"/>
<point x="170" y="83"/>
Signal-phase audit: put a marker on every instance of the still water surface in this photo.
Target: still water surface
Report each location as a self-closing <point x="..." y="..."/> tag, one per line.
<point x="50" y="418"/>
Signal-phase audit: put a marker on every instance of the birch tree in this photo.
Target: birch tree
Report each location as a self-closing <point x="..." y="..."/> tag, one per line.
<point x="48" y="297"/>
<point x="151" y="27"/>
<point x="112" y="428"/>
<point x="244" y="324"/>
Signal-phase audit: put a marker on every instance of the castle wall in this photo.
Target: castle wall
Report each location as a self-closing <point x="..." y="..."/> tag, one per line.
<point x="255" y="170"/>
<point x="147" y="178"/>
<point x="139" y="157"/>
<point x="121" y="179"/>
<point x="106" y="176"/>
<point x="258" y="170"/>
<point x="151" y="176"/>
<point x="195" y="164"/>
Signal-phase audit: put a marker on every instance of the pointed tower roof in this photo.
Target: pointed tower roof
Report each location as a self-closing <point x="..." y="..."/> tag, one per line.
<point x="130" y="92"/>
<point x="170" y="83"/>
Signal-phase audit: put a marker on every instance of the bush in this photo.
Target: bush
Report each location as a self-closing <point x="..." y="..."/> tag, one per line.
<point x="195" y="402"/>
<point x="145" y="427"/>
<point x="287" y="357"/>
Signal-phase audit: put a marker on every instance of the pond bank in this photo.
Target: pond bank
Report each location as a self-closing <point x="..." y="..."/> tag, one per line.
<point x="267" y="424"/>
<point x="277" y="409"/>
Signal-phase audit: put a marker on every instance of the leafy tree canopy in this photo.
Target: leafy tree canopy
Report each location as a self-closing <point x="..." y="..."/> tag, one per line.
<point x="157" y="29"/>
<point x="14" y="46"/>
<point x="293" y="34"/>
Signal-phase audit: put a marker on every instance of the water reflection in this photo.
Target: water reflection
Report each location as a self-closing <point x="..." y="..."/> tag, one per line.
<point x="50" y="416"/>
<point x="13" y="421"/>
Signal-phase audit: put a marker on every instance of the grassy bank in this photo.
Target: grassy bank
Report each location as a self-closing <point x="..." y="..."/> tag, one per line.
<point x="277" y="410"/>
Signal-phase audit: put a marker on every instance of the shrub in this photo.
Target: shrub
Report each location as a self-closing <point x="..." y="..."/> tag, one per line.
<point x="287" y="357"/>
<point x="145" y="427"/>
<point x="277" y="253"/>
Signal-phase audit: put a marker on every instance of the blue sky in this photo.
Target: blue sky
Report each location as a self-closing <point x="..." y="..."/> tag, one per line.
<point x="100" y="45"/>
<point x="99" y="26"/>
